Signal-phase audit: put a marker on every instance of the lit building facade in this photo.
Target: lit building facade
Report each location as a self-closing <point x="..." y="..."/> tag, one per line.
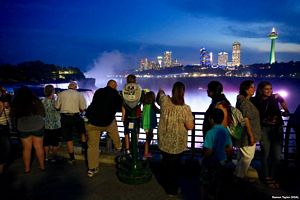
<point x="159" y="61"/>
<point x="236" y="54"/>
<point x="205" y="58"/>
<point x="144" y="64"/>
<point x="222" y="58"/>
<point x="167" y="59"/>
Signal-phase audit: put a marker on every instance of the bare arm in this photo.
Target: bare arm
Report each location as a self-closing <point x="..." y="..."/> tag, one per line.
<point x="58" y="103"/>
<point x="229" y="152"/>
<point x="225" y="121"/>
<point x="123" y="113"/>
<point x="285" y="108"/>
<point x="160" y="92"/>
<point x="189" y="125"/>
<point x="1" y="107"/>
<point x="283" y="104"/>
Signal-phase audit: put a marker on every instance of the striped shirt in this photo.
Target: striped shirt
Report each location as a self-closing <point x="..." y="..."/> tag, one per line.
<point x="4" y="117"/>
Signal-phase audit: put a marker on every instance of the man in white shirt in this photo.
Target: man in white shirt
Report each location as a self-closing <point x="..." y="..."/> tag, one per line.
<point x="70" y="103"/>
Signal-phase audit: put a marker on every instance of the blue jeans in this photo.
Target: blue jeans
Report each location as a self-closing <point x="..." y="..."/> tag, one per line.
<point x="271" y="146"/>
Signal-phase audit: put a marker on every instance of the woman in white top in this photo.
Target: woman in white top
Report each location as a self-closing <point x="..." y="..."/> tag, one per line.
<point x="176" y="119"/>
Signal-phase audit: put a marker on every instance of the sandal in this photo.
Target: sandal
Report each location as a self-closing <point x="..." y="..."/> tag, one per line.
<point x="271" y="183"/>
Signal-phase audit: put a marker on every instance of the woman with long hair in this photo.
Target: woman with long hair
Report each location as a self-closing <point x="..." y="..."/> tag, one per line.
<point x="268" y="105"/>
<point x="176" y="119"/>
<point x="28" y="112"/>
<point x="251" y="133"/>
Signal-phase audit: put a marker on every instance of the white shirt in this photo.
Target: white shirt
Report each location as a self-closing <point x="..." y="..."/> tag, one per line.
<point x="70" y="101"/>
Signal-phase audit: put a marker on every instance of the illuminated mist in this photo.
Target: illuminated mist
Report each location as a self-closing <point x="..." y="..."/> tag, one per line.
<point x="105" y="64"/>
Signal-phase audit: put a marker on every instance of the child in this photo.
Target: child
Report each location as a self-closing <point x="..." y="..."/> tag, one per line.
<point x="149" y="119"/>
<point x="217" y="150"/>
<point x="131" y="109"/>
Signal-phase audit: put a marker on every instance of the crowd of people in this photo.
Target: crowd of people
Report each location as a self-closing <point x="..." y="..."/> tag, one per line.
<point x="41" y="124"/>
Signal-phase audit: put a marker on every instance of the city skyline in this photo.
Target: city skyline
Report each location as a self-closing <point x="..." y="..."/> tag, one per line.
<point x="120" y="33"/>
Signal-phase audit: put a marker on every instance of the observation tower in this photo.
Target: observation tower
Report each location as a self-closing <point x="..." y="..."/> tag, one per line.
<point x="273" y="36"/>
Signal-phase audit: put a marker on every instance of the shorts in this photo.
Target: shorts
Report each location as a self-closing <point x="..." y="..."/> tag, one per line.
<point x="71" y="124"/>
<point x="38" y="133"/>
<point x="52" y="137"/>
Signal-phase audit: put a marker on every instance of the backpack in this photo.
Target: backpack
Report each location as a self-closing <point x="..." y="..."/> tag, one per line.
<point x="132" y="93"/>
<point x="238" y="123"/>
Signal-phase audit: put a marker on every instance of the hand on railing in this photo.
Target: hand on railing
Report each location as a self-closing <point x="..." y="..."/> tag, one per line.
<point x="285" y="113"/>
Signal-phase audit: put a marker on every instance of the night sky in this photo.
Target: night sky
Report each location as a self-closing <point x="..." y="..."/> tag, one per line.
<point x="118" y="33"/>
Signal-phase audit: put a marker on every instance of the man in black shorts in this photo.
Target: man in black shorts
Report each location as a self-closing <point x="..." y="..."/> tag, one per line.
<point x="70" y="103"/>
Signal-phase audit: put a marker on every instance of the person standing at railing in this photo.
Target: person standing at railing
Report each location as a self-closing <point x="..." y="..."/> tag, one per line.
<point x="251" y="133"/>
<point x="217" y="153"/>
<point x="101" y="117"/>
<point x="28" y="112"/>
<point x="176" y="119"/>
<point x="149" y="120"/>
<point x="4" y="133"/>
<point x="52" y="132"/>
<point x="272" y="132"/>
<point x="131" y="109"/>
<point x="293" y="122"/>
<point x="71" y="103"/>
<point x="219" y="100"/>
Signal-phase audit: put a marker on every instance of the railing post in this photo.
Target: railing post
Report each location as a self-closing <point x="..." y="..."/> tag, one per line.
<point x="193" y="137"/>
<point x="286" y="142"/>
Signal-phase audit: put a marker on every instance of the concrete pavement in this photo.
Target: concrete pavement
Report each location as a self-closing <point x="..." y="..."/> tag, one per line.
<point x="64" y="181"/>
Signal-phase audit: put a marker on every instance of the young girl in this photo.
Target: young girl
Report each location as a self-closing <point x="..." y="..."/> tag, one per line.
<point x="149" y="119"/>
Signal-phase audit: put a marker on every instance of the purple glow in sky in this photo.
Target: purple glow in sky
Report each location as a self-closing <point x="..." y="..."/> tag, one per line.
<point x="78" y="33"/>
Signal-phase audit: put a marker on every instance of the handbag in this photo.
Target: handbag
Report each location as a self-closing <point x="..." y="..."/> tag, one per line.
<point x="238" y="123"/>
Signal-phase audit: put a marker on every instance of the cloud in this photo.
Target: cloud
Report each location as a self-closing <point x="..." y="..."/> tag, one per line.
<point x="249" y="31"/>
<point x="288" y="48"/>
<point x="244" y="12"/>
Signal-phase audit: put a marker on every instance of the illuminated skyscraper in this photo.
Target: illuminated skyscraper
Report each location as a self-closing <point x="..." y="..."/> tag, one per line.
<point x="144" y="64"/>
<point x="159" y="60"/>
<point x="205" y="58"/>
<point x="222" y="59"/>
<point x="236" y="54"/>
<point x="273" y="36"/>
<point x="167" y="59"/>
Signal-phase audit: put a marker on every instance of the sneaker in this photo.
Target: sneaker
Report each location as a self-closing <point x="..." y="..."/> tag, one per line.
<point x="92" y="172"/>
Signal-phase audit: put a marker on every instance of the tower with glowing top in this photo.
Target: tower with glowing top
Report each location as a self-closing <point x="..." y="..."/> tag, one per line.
<point x="273" y="36"/>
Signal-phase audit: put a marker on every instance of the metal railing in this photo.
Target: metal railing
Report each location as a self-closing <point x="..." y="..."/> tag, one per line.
<point x="195" y="136"/>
